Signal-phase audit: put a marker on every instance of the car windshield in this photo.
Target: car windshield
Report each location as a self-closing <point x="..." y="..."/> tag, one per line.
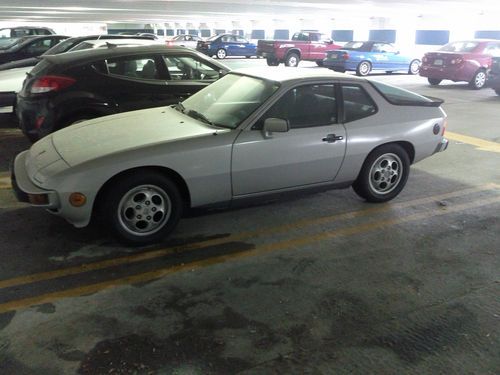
<point x="230" y="100"/>
<point x="213" y="37"/>
<point x="6" y="43"/>
<point x="459" y="47"/>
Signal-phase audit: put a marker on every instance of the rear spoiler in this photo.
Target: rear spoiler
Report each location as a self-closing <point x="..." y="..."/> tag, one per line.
<point x="436" y="102"/>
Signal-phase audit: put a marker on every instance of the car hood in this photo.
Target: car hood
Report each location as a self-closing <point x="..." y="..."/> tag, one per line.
<point x="12" y="79"/>
<point x="126" y="131"/>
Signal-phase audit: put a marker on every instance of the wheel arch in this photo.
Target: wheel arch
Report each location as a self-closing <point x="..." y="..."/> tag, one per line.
<point x="407" y="146"/>
<point x="293" y="50"/>
<point x="167" y="172"/>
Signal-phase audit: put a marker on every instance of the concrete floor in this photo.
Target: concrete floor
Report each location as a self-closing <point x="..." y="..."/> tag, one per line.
<point x="316" y="284"/>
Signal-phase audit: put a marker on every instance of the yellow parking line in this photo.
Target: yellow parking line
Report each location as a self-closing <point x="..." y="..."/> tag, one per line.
<point x="5" y="183"/>
<point x="152" y="275"/>
<point x="379" y="208"/>
<point x="481" y="144"/>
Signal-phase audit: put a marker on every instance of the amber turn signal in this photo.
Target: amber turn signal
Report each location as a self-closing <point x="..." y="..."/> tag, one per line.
<point x="77" y="199"/>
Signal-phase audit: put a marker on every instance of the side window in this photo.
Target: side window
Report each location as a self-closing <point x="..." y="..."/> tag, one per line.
<point x="188" y="68"/>
<point x="241" y="40"/>
<point x="493" y="49"/>
<point x="357" y="103"/>
<point x="133" y="67"/>
<point x="39" y="46"/>
<point x="305" y="106"/>
<point x="227" y="38"/>
<point x="315" y="37"/>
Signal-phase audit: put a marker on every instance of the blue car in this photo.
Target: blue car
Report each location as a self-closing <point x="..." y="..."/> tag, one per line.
<point x="363" y="57"/>
<point x="223" y="45"/>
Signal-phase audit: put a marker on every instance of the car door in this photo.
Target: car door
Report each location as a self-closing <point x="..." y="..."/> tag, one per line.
<point x="311" y="152"/>
<point x="232" y="47"/>
<point x="136" y="82"/>
<point x="244" y="47"/>
<point x="186" y="75"/>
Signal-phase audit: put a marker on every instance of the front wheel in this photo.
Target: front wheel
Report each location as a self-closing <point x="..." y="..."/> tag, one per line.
<point x="414" y="67"/>
<point x="434" y="81"/>
<point x="364" y="68"/>
<point x="478" y="81"/>
<point x="384" y="174"/>
<point x="142" y="207"/>
<point x="221" y="53"/>
<point x="292" y="60"/>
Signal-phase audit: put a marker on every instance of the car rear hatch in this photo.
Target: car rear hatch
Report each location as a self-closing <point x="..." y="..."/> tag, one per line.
<point x="266" y="46"/>
<point x="442" y="59"/>
<point x="339" y="55"/>
<point x="40" y="69"/>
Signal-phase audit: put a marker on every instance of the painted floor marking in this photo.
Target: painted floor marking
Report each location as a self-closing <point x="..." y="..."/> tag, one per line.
<point x="481" y="144"/>
<point x="128" y="259"/>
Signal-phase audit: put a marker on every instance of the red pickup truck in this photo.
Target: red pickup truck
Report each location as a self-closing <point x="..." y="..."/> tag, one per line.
<point x="305" y="45"/>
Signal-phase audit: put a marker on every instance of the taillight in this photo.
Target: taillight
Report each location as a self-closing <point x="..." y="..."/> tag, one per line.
<point x="345" y="56"/>
<point x="50" y="83"/>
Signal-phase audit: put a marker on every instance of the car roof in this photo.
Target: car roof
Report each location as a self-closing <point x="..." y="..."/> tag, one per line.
<point x="285" y="74"/>
<point x="89" y="55"/>
<point x="120" y="41"/>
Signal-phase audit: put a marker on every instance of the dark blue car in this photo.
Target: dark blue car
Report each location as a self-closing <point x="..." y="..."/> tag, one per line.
<point x="223" y="45"/>
<point x="363" y="57"/>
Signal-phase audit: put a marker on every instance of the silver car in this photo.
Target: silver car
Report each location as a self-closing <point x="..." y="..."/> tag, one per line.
<point x="184" y="40"/>
<point x="253" y="132"/>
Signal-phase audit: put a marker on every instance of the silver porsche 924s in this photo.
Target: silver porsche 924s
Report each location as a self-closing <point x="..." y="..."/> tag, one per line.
<point x="251" y="133"/>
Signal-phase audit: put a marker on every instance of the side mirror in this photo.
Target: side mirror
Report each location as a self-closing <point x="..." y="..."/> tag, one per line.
<point x="275" y="125"/>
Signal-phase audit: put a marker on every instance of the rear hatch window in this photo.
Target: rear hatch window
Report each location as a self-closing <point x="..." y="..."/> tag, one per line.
<point x="397" y="96"/>
<point x="40" y="68"/>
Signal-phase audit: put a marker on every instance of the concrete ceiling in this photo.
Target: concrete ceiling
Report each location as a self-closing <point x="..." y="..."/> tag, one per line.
<point x="146" y="11"/>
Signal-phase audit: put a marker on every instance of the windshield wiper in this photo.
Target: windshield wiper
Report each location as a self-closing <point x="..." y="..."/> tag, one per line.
<point x="180" y="107"/>
<point x="200" y="116"/>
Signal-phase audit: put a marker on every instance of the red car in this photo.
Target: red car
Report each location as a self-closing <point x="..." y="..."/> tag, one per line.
<point x="467" y="61"/>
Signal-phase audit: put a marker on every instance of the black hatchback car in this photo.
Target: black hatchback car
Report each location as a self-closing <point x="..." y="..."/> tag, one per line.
<point x="494" y="75"/>
<point x="71" y="87"/>
<point x="28" y="46"/>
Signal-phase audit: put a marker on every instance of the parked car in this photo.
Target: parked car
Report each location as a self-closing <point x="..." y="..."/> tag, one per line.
<point x="65" y="89"/>
<point x="224" y="45"/>
<point x="251" y="133"/>
<point x="305" y="45"/>
<point x="11" y="80"/>
<point x="494" y="75"/>
<point x="27" y="47"/>
<point x="9" y="35"/>
<point x="366" y="56"/>
<point x="185" y="40"/>
<point x="467" y="61"/>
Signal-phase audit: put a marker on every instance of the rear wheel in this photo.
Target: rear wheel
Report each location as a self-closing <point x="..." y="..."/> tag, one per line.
<point x="478" y="81"/>
<point x="248" y="57"/>
<point x="434" y="81"/>
<point x="221" y="53"/>
<point x="272" y="62"/>
<point x="364" y="68"/>
<point x="414" y="67"/>
<point x="143" y="207"/>
<point x="319" y="62"/>
<point x="384" y="174"/>
<point x="292" y="60"/>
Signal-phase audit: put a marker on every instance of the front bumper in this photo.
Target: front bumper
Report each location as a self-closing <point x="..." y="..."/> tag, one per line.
<point x="25" y="189"/>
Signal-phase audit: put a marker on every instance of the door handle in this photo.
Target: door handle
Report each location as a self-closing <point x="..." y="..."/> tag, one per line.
<point x="330" y="138"/>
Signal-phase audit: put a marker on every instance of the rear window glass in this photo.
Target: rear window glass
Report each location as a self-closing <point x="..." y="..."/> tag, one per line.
<point x="459" y="47"/>
<point x="397" y="96"/>
<point x="41" y="66"/>
<point x="354" y="45"/>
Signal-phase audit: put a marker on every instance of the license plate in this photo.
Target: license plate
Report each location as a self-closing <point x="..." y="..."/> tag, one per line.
<point x="438" y="62"/>
<point x="334" y="56"/>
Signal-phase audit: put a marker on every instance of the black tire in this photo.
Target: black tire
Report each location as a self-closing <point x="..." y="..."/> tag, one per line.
<point x="248" y="57"/>
<point x="221" y="53"/>
<point x="414" y="67"/>
<point x="434" y="81"/>
<point x="389" y="71"/>
<point x="319" y="62"/>
<point x="338" y="70"/>
<point x="384" y="174"/>
<point x="292" y="59"/>
<point x="364" y="68"/>
<point x="497" y="91"/>
<point x="479" y="80"/>
<point x="272" y="62"/>
<point x="135" y="201"/>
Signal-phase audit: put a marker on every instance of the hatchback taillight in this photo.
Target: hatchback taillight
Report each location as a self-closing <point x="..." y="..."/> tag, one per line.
<point x="345" y="56"/>
<point x="50" y="83"/>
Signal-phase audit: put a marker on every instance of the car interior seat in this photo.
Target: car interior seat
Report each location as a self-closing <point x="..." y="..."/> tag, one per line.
<point x="149" y="70"/>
